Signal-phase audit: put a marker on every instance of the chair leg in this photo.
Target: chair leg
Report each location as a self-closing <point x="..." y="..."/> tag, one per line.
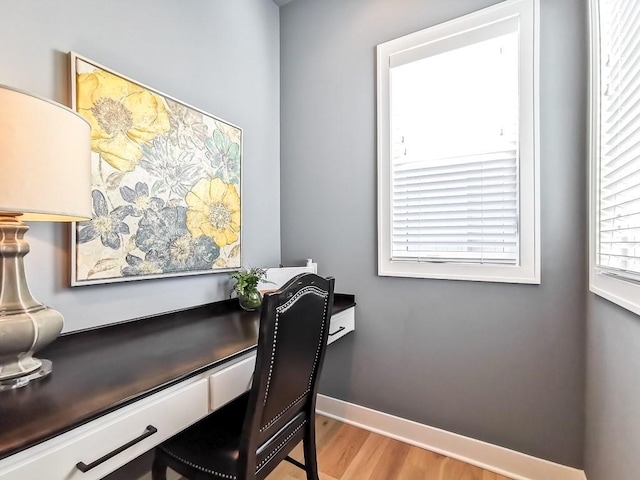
<point x="158" y="470"/>
<point x="310" y="456"/>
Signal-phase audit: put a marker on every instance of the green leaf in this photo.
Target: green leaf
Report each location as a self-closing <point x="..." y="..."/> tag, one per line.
<point x="114" y="180"/>
<point x="234" y="152"/>
<point x="221" y="140"/>
<point x="247" y="280"/>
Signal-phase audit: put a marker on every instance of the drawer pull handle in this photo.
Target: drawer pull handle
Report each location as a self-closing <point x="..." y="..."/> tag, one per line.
<point x="83" y="467"/>
<point x="331" y="334"/>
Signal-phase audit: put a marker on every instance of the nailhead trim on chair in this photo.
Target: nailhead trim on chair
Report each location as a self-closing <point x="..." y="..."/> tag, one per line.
<point x="279" y="447"/>
<point x="226" y="476"/>
<point x="275" y="419"/>
<point x="303" y="291"/>
<point x="233" y="477"/>
<point x="284" y="308"/>
<point x="273" y="355"/>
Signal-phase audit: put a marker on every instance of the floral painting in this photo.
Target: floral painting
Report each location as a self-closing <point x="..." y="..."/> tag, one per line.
<point x="165" y="183"/>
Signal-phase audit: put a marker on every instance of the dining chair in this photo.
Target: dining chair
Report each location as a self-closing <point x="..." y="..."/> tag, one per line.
<point x="247" y="438"/>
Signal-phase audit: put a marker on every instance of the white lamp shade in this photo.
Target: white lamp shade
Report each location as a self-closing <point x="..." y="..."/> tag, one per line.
<point x="45" y="159"/>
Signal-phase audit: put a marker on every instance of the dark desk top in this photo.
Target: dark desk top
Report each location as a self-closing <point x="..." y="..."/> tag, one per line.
<point x="100" y="370"/>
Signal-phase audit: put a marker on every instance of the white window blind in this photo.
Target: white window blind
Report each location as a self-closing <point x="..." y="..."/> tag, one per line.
<point x="455" y="185"/>
<point x="462" y="212"/>
<point x="618" y="173"/>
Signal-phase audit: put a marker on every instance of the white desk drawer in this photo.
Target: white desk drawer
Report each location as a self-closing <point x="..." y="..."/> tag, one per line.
<point x="168" y="412"/>
<point x="231" y="382"/>
<point x="341" y="324"/>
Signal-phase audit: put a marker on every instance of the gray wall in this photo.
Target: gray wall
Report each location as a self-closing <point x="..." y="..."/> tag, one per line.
<point x="217" y="55"/>
<point x="502" y="363"/>
<point x="613" y="392"/>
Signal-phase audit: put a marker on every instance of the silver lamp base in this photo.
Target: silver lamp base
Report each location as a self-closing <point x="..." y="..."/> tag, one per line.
<point x="10" y="383"/>
<point x="26" y="325"/>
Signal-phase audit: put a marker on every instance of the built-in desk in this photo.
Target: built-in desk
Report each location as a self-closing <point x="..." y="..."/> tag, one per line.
<point x="146" y="379"/>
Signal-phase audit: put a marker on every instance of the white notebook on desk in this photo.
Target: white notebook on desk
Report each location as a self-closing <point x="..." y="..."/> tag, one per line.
<point x="279" y="276"/>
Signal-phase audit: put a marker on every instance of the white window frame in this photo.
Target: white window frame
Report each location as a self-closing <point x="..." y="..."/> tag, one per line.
<point x="528" y="269"/>
<point x="616" y="289"/>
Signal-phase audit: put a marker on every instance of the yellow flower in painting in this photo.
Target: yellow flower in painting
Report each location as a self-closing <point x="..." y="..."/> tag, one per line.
<point x="123" y="117"/>
<point x="213" y="209"/>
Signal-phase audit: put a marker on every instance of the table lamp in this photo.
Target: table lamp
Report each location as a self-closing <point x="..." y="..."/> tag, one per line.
<point x="45" y="176"/>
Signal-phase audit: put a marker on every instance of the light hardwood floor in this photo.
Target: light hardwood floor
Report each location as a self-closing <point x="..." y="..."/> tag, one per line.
<point x="350" y="453"/>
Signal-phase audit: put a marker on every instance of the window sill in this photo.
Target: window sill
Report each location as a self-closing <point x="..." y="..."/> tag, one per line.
<point x="616" y="290"/>
<point x="468" y="272"/>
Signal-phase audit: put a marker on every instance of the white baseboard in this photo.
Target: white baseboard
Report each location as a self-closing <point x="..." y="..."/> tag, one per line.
<point x="512" y="464"/>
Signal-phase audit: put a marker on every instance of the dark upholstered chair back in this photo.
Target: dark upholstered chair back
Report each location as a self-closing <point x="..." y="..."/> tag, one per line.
<point x="294" y="326"/>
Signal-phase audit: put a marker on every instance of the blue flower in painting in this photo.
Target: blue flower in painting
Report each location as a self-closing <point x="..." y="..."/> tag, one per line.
<point x="175" y="170"/>
<point x="140" y="199"/>
<point x="164" y="235"/>
<point x="106" y="225"/>
<point x="150" y="265"/>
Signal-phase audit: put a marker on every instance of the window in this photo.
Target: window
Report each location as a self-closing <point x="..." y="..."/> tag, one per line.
<point x="457" y="149"/>
<point x="615" y="152"/>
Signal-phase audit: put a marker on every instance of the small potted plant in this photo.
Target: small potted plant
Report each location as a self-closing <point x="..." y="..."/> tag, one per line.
<point x="246" y="286"/>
